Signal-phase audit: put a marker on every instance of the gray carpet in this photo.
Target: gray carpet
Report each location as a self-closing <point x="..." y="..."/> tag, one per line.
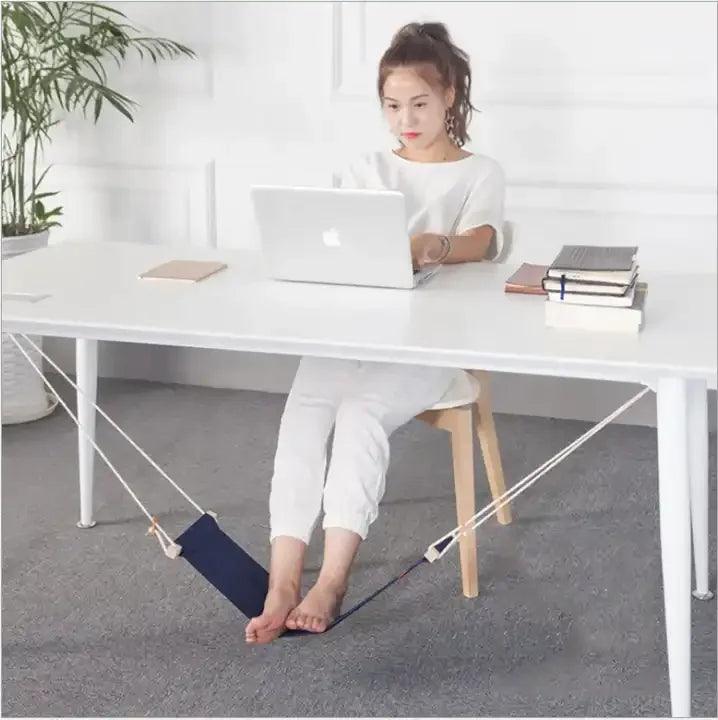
<point x="569" y="621"/>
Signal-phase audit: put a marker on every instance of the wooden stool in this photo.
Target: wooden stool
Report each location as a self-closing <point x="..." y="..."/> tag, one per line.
<point x="465" y="408"/>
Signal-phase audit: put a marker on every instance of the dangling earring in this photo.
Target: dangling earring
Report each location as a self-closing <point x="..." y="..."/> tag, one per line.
<point x="449" y="123"/>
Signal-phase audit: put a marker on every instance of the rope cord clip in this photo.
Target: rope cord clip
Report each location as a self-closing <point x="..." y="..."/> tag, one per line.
<point x="171" y="550"/>
<point x="152" y="529"/>
<point x="438" y="549"/>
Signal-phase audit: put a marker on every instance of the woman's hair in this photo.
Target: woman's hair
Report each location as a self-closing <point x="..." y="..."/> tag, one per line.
<point x="428" y="48"/>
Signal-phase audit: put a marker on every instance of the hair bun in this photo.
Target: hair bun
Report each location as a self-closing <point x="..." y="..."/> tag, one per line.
<point x="434" y="30"/>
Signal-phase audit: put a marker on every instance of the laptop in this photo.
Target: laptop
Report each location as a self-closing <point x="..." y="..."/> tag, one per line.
<point x="333" y="235"/>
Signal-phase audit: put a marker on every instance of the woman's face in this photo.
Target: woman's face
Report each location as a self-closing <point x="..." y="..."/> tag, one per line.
<point x="414" y="111"/>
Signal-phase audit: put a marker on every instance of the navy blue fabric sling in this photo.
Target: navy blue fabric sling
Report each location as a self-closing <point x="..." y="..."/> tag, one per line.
<point x="240" y="578"/>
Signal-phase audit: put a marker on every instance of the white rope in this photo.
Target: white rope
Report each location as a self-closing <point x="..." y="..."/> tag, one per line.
<point x="171" y="548"/>
<point x="493" y="507"/>
<point x="431" y="554"/>
<point x="115" y="425"/>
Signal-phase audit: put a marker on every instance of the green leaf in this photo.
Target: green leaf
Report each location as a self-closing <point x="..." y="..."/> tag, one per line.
<point x="120" y="107"/>
<point x="70" y="91"/>
<point x="42" y="177"/>
<point x="42" y="195"/>
<point x="107" y="8"/>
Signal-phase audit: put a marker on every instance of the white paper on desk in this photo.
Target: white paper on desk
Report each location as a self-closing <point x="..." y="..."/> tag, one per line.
<point x="24" y="297"/>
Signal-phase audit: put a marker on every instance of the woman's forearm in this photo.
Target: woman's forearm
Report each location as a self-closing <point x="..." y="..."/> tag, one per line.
<point x="470" y="246"/>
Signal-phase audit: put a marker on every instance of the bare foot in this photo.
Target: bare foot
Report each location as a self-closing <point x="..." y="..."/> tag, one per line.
<point x="319" y="608"/>
<point x="271" y="623"/>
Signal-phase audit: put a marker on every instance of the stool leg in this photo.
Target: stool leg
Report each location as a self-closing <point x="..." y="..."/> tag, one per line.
<point x="462" y="447"/>
<point x="486" y="432"/>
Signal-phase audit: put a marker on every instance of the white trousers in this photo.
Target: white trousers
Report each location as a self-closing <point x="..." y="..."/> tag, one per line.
<point x="364" y="402"/>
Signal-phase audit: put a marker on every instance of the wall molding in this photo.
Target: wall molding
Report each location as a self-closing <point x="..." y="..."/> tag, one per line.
<point x="614" y="199"/>
<point x="176" y="204"/>
<point x="637" y="86"/>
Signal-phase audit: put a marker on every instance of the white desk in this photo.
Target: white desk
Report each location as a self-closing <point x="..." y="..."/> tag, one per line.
<point x="461" y="318"/>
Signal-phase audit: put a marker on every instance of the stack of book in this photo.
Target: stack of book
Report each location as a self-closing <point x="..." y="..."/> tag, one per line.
<point x="595" y="288"/>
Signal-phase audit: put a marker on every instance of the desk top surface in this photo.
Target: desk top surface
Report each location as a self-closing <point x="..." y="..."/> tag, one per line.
<point x="460" y="318"/>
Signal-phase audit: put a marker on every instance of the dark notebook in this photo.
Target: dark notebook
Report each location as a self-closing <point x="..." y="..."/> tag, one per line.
<point x="595" y="264"/>
<point x="593" y="257"/>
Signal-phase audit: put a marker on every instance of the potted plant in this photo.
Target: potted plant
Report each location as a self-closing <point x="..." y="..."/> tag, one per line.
<point x="53" y="61"/>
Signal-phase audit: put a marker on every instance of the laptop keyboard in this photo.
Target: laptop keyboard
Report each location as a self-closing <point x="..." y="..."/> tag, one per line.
<point x="424" y="273"/>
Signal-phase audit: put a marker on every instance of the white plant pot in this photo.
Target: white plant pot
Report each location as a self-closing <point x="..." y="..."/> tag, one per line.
<point x="24" y="396"/>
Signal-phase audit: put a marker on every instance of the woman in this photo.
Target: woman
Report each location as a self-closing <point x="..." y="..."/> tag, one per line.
<point x="454" y="202"/>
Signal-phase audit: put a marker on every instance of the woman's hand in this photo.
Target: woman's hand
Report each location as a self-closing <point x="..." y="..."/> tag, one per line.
<point x="426" y="248"/>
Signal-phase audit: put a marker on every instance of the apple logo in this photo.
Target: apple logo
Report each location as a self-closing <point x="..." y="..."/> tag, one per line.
<point x="331" y="238"/>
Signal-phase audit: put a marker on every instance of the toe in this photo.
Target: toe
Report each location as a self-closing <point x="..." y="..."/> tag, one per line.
<point x="263" y="628"/>
<point x="291" y="621"/>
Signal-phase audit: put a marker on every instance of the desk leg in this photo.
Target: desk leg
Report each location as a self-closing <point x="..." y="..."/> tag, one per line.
<point x="698" y="471"/>
<point x="675" y="534"/>
<point x="86" y="360"/>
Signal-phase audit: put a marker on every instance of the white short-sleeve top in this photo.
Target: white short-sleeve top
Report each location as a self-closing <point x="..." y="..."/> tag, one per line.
<point x="441" y="197"/>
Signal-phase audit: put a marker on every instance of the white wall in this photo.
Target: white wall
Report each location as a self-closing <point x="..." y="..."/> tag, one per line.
<point x="603" y="116"/>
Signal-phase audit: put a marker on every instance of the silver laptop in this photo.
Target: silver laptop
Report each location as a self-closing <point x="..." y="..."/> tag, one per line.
<point x="331" y="235"/>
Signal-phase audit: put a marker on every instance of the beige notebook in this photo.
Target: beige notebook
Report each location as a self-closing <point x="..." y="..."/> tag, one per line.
<point x="187" y="270"/>
<point x="527" y="279"/>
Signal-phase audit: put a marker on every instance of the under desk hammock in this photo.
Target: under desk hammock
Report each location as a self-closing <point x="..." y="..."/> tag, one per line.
<point x="240" y="578"/>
